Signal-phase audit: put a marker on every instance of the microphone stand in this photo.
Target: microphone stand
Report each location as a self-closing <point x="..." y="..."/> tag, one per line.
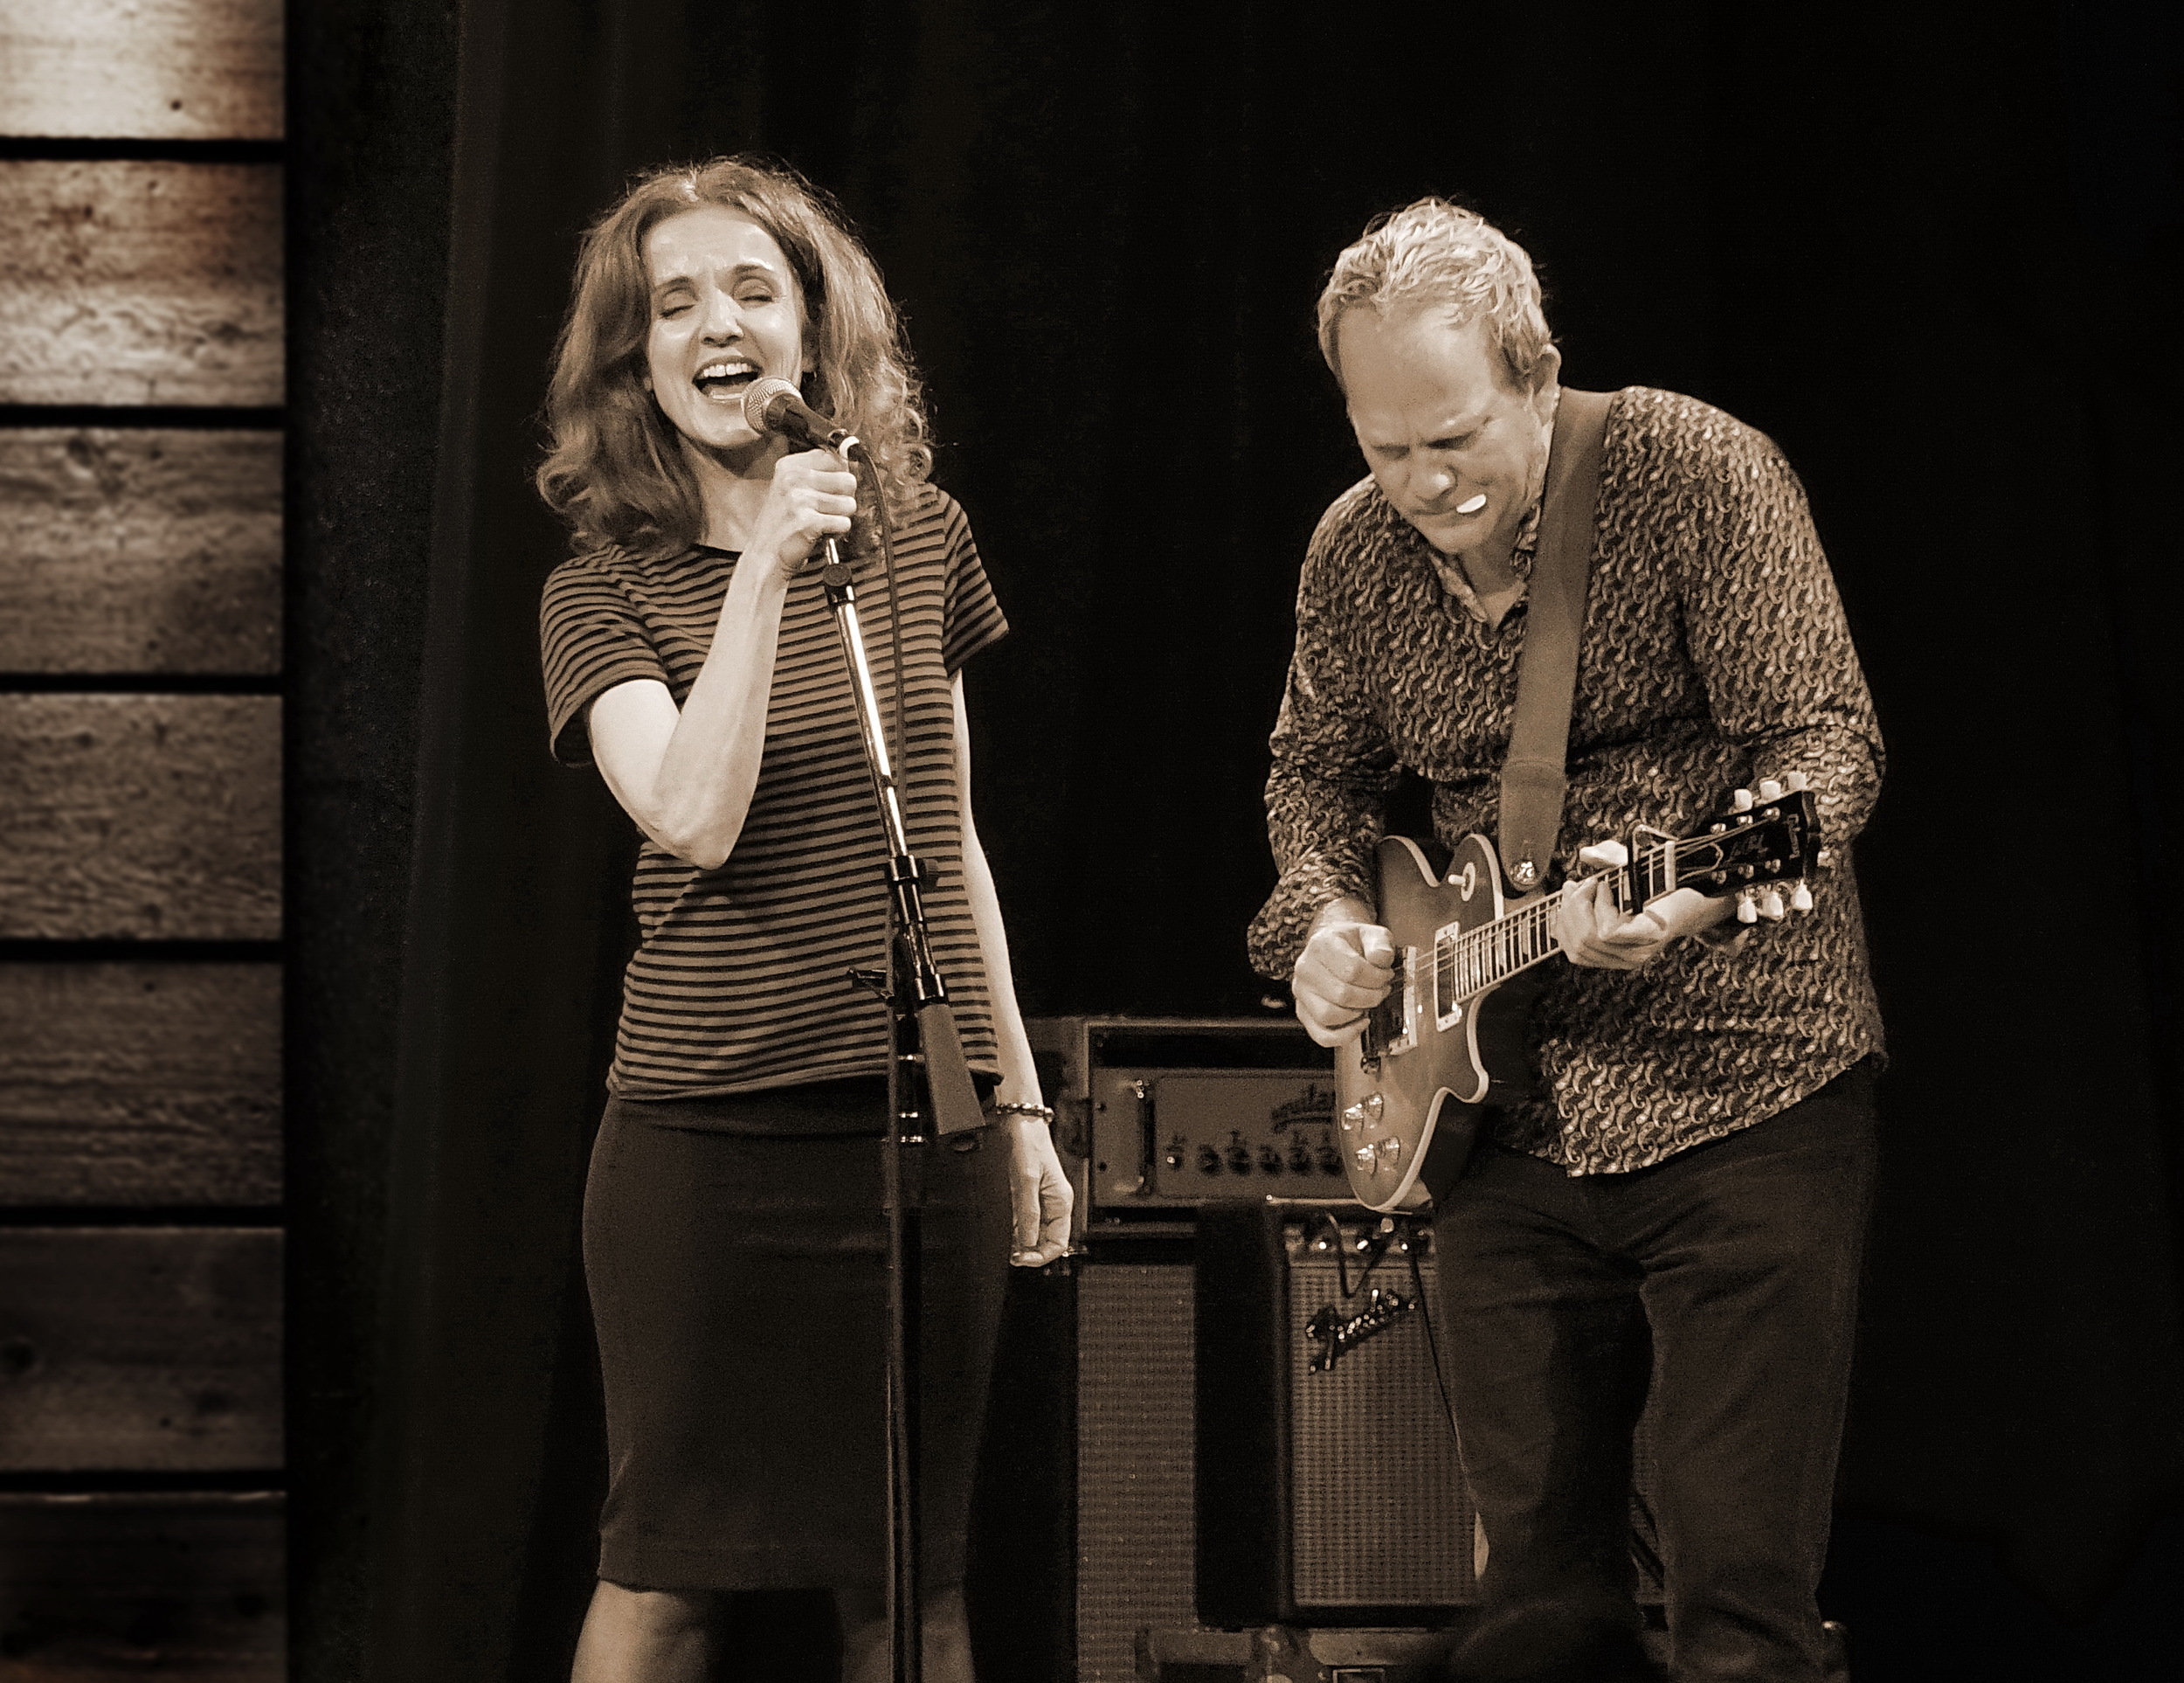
<point x="929" y="1089"/>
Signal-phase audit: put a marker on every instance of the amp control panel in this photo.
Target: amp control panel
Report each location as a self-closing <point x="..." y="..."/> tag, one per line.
<point x="1179" y="1136"/>
<point x="1166" y="1113"/>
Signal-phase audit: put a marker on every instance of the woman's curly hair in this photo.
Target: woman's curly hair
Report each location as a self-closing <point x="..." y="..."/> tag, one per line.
<point x="615" y="471"/>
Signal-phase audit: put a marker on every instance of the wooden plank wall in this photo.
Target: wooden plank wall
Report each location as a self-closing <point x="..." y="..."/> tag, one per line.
<point x="141" y="386"/>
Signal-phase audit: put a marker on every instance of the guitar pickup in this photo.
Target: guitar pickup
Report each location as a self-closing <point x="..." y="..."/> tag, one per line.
<point x="1448" y="994"/>
<point x="1400" y="1011"/>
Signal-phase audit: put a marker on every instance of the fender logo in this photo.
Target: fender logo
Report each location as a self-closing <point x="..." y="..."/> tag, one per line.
<point x="1336" y="1333"/>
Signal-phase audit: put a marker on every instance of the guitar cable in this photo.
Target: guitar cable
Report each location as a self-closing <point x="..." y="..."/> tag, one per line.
<point x="1373" y="1253"/>
<point x="1404" y="1232"/>
<point x="1433" y="1340"/>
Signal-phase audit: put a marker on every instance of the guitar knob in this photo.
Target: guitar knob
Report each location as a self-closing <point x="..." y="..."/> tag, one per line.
<point x="1390" y="1149"/>
<point x="1367" y="1109"/>
<point x="1769" y="789"/>
<point x="1740" y="801"/>
<point x="1799" y="782"/>
<point x="1368" y="1160"/>
<point x="1800" y="898"/>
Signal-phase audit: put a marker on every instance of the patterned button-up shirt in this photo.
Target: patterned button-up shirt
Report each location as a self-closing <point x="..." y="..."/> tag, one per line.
<point x="1715" y="654"/>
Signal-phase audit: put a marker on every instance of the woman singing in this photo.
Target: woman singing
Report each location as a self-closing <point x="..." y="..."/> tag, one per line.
<point x="733" y="1229"/>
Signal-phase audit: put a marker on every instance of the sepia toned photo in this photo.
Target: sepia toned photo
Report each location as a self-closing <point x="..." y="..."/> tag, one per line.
<point x="1089" y="845"/>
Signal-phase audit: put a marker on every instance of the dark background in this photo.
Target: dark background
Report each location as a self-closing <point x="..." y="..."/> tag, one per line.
<point x="1934" y="253"/>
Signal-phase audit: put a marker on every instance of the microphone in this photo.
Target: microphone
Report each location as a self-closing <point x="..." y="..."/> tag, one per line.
<point x="771" y="405"/>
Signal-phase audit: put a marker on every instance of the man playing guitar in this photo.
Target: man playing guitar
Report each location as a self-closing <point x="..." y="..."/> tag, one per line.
<point x="1675" y="1210"/>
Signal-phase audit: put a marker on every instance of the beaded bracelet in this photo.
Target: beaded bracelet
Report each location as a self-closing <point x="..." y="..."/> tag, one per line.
<point x="1044" y="1113"/>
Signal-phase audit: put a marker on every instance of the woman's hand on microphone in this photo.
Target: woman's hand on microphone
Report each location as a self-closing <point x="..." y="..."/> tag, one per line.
<point x="812" y="496"/>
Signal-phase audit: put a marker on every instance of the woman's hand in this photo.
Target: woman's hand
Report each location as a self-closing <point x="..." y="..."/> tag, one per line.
<point x="1039" y="1193"/>
<point x="812" y="496"/>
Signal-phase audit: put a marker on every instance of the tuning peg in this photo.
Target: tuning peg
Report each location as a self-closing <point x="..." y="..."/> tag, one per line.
<point x="1800" y="898"/>
<point x="1605" y="855"/>
<point x="1740" y="801"/>
<point x="1747" y="912"/>
<point x="1769" y="789"/>
<point x="1825" y="857"/>
<point x="1770" y="906"/>
<point x="1799" y="782"/>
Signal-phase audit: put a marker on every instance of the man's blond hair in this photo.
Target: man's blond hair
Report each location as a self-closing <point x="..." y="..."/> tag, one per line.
<point x="1435" y="255"/>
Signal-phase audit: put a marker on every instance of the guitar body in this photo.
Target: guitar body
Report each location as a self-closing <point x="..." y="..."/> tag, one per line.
<point x="1408" y="1092"/>
<point x="1449" y="1037"/>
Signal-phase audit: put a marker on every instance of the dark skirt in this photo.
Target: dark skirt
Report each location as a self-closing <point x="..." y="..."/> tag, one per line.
<point x="738" y="1287"/>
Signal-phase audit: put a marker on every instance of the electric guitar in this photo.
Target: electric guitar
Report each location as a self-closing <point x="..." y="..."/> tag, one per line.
<point x="1449" y="1037"/>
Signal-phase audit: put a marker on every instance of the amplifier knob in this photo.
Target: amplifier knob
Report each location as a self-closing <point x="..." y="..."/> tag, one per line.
<point x="1300" y="1158"/>
<point x="1240" y="1159"/>
<point x="1209" y="1160"/>
<point x="1269" y="1161"/>
<point x="1329" y="1162"/>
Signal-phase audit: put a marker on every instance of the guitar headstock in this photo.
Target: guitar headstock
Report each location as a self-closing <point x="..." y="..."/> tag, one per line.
<point x="1769" y="836"/>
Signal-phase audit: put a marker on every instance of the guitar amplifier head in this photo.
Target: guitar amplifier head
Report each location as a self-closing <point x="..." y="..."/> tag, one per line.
<point x="1158" y="1115"/>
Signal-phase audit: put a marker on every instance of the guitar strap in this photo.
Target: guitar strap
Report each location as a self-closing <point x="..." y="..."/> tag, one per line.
<point x="1533" y="776"/>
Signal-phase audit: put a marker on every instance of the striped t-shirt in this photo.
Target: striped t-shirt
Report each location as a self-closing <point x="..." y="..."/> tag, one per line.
<point x="739" y="982"/>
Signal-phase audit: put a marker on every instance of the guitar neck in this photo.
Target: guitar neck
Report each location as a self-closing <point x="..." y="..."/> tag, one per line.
<point x="1518" y="940"/>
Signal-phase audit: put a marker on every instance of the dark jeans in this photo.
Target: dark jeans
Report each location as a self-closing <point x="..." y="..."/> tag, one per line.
<point x="1726" y="1279"/>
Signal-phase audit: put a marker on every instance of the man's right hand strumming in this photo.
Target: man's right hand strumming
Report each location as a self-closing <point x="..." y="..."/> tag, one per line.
<point x="1346" y="968"/>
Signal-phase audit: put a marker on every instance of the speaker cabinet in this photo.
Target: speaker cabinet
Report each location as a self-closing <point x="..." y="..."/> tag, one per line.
<point x="1164" y="1464"/>
<point x="1081" y="1532"/>
<point x="1329" y="1490"/>
<point x="1135" y="1458"/>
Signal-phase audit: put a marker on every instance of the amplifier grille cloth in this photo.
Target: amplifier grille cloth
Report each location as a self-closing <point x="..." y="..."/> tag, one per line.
<point x="1135" y="1533"/>
<point x="1383" y="1517"/>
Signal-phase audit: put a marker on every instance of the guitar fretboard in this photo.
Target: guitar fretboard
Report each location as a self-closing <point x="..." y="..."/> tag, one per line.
<point x="1463" y="963"/>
